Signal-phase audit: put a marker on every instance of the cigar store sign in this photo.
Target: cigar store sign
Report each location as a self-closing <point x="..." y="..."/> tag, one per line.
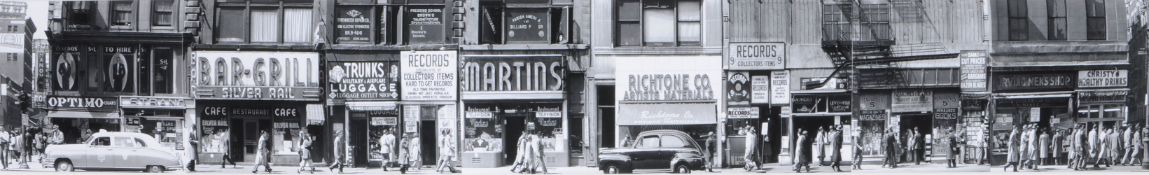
<point x="512" y="73"/>
<point x="256" y="75"/>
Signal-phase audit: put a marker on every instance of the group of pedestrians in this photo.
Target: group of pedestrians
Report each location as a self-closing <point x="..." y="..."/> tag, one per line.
<point x="529" y="155"/>
<point x="817" y="142"/>
<point x="911" y="144"/>
<point x="20" y="145"/>
<point x="1030" y="146"/>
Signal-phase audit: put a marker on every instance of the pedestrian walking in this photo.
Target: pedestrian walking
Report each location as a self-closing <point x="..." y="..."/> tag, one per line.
<point x="404" y="152"/>
<point x="856" y="164"/>
<point x="191" y="145"/>
<point x="5" y="140"/>
<point x="1012" y="154"/>
<point x="263" y="153"/>
<point x="891" y="148"/>
<point x="387" y="147"/>
<point x="1086" y="146"/>
<point x="305" y="141"/>
<point x="1044" y="141"/>
<point x="1127" y="136"/>
<point x="416" y="150"/>
<point x="710" y="147"/>
<point x="446" y="152"/>
<point x="952" y="138"/>
<point x="820" y="145"/>
<point x="225" y="148"/>
<point x="338" y="151"/>
<point x="1095" y="145"/>
<point x="803" y="161"/>
<point x="748" y="148"/>
<point x="918" y="147"/>
<point x="836" y="149"/>
<point x="1057" y="146"/>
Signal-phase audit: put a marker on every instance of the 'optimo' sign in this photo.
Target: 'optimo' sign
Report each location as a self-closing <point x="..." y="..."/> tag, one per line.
<point x="256" y="75"/>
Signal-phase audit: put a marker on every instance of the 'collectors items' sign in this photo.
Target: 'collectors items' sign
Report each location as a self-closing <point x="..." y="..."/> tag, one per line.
<point x="366" y="80"/>
<point x="256" y="75"/>
<point x="1102" y="78"/>
<point x="756" y="56"/>
<point x="512" y="73"/>
<point x="429" y="75"/>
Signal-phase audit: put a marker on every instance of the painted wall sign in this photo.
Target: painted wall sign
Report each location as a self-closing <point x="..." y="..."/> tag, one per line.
<point x="839" y="103"/>
<point x="759" y="89"/>
<point x="512" y="73"/>
<point x="528" y="25"/>
<point x="353" y="24"/>
<point x="946" y="113"/>
<point x="425" y="25"/>
<point x="738" y="88"/>
<point x="780" y="87"/>
<point x="742" y="112"/>
<point x="671" y="79"/>
<point x="947" y="100"/>
<point x="667" y="114"/>
<point x="1102" y="96"/>
<point x="364" y="80"/>
<point x="1102" y="78"/>
<point x="82" y="103"/>
<point x="809" y="103"/>
<point x="874" y="101"/>
<point x="154" y="102"/>
<point x="912" y="100"/>
<point x="256" y="75"/>
<point x="1034" y="81"/>
<point x="973" y="71"/>
<point x="756" y="56"/>
<point x="429" y="75"/>
<point x="873" y="115"/>
<point x="65" y="72"/>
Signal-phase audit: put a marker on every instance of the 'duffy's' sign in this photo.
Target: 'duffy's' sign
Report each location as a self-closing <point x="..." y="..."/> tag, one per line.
<point x="256" y="75"/>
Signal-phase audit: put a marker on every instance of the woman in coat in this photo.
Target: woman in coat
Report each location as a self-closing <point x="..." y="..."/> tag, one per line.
<point x="416" y="151"/>
<point x="1012" y="155"/>
<point x="304" y="148"/>
<point x="446" y="152"/>
<point x="799" y="151"/>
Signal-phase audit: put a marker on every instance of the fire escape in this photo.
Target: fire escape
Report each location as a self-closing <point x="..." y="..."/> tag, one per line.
<point x="856" y="34"/>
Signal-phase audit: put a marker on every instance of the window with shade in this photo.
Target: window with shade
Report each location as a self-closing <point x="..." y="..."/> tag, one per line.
<point x="1057" y="20"/>
<point x="1018" y="20"/>
<point x="264" y="21"/>
<point x="121" y="14"/>
<point x="524" y="22"/>
<point x="658" y="23"/>
<point x="1095" y="19"/>
<point x="163" y="12"/>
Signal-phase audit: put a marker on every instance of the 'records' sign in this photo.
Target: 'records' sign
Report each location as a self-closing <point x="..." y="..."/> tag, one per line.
<point x="429" y="75"/>
<point x="256" y="75"/>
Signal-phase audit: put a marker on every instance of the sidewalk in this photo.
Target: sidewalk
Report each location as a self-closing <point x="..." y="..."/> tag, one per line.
<point x="1063" y="168"/>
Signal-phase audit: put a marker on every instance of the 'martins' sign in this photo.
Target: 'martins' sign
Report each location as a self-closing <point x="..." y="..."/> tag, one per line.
<point x="512" y="73"/>
<point x="257" y="75"/>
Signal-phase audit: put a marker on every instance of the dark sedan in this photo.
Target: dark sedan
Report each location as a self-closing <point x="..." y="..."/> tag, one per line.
<point x="656" y="149"/>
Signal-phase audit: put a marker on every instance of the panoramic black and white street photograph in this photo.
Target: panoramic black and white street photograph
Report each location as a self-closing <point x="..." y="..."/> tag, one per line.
<point x="577" y="87"/>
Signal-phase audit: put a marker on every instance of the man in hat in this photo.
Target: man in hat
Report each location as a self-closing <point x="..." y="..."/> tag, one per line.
<point x="5" y="140"/>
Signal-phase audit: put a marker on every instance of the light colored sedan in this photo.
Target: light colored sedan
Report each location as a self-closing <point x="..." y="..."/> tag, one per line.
<point x="113" y="151"/>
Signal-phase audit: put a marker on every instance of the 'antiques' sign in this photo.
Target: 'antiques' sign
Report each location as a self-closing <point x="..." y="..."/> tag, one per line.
<point x="756" y="56"/>
<point x="527" y="25"/>
<point x="973" y="71"/>
<point x="353" y="24"/>
<point x="82" y="103"/>
<point x="1102" y="78"/>
<point x="366" y="80"/>
<point x="760" y="89"/>
<point x="512" y="73"/>
<point x="1034" y="81"/>
<point x="738" y="88"/>
<point x="780" y="87"/>
<point x="429" y="75"/>
<point x="1102" y="96"/>
<point x="425" y="25"/>
<point x="912" y="100"/>
<point x="257" y="75"/>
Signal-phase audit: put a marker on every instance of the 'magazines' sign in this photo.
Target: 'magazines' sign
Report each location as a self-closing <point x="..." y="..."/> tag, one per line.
<point x="256" y="75"/>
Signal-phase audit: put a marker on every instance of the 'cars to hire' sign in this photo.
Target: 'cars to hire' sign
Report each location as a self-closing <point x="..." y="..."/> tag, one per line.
<point x="256" y="75"/>
<point x="756" y="56"/>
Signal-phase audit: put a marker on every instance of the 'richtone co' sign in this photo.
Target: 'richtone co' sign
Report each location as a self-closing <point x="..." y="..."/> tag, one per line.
<point x="257" y="75"/>
<point x="669" y="79"/>
<point x="429" y="75"/>
<point x="756" y="56"/>
<point x="512" y="73"/>
<point x="374" y="80"/>
<point x="1102" y="78"/>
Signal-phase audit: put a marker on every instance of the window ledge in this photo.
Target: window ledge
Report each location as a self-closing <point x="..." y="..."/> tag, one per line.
<point x="269" y="46"/>
<point x="338" y="47"/>
<point x="524" y="47"/>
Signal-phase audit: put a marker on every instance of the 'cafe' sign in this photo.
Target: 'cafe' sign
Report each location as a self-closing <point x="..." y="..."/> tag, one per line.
<point x="257" y="75"/>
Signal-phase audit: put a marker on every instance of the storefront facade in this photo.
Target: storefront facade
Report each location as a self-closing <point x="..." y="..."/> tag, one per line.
<point x="923" y="100"/>
<point x="241" y="94"/>
<point x="679" y="93"/>
<point x="748" y="94"/>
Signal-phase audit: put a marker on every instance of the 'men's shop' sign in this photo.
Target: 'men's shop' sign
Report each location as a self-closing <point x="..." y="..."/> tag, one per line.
<point x="256" y="75"/>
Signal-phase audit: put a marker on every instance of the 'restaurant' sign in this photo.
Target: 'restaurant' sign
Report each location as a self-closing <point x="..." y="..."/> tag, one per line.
<point x="1102" y="78"/>
<point x="912" y="100"/>
<point x="756" y="56"/>
<point x="256" y="75"/>
<point x="512" y="73"/>
<point x="353" y="24"/>
<point x="1034" y="81"/>
<point x="429" y="75"/>
<point x="973" y="71"/>
<point x="82" y="103"/>
<point x="366" y="80"/>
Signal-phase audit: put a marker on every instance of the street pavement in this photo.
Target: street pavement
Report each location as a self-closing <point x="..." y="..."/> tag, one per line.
<point x="1064" y="169"/>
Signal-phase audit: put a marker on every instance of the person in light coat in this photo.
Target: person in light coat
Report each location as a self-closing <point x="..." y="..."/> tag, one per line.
<point x="1129" y="143"/>
<point x="304" y="150"/>
<point x="749" y="146"/>
<point x="836" y="149"/>
<point x="800" y="148"/>
<point x="1044" y="142"/>
<point x="819" y="149"/>
<point x="338" y="152"/>
<point x="386" y="146"/>
<point x="5" y="140"/>
<point x="1012" y="153"/>
<point x="446" y="152"/>
<point x="263" y="153"/>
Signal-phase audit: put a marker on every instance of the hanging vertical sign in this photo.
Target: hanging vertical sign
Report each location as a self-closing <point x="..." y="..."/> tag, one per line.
<point x="759" y="89"/>
<point x="973" y="71"/>
<point x="780" y="87"/>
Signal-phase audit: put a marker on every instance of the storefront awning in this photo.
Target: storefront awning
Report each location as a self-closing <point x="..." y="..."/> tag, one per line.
<point x="83" y="114"/>
<point x="1056" y="94"/>
<point x="667" y="114"/>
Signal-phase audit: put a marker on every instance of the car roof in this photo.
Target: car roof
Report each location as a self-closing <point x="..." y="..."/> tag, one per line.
<point x="121" y="134"/>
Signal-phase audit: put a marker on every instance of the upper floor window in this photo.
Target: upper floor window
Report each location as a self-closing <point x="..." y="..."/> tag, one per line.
<point x="658" y="23"/>
<point x="121" y="14"/>
<point x="79" y="14"/>
<point x="1018" y="20"/>
<point x="264" y="21"/>
<point x="1095" y="19"/>
<point x="523" y="22"/>
<point x="404" y="22"/>
<point x="1057" y="20"/>
<point x="163" y="12"/>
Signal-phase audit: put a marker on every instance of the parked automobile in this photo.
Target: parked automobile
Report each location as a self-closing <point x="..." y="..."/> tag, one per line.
<point x="655" y="149"/>
<point x="113" y="151"/>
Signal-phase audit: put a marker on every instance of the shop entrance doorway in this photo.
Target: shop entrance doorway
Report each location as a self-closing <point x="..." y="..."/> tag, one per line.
<point x="921" y="123"/>
<point x="811" y="126"/>
<point x="357" y="135"/>
<point x="514" y="125"/>
<point x="246" y="149"/>
<point x="427" y="138"/>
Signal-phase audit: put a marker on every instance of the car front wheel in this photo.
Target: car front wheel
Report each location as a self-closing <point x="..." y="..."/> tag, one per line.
<point x="682" y="168"/>
<point x="611" y="169"/>
<point x="155" y="169"/>
<point x="64" y="166"/>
